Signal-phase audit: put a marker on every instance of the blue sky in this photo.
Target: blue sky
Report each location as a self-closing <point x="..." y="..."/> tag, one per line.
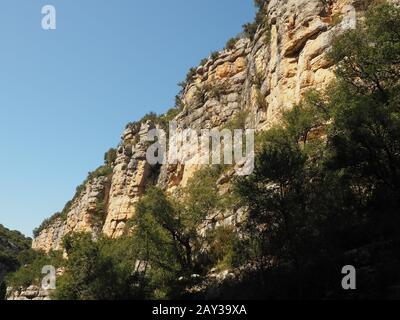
<point x="66" y="95"/>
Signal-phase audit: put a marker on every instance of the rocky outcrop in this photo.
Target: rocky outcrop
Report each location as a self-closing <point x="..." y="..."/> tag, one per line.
<point x="254" y="80"/>
<point x="86" y="214"/>
<point x="130" y="175"/>
<point x="30" y="293"/>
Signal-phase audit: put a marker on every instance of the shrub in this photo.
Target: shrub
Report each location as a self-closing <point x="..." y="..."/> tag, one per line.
<point x="326" y="180"/>
<point x="238" y="121"/>
<point x="151" y="116"/>
<point x="101" y="270"/>
<point x="231" y="43"/>
<point x="222" y="241"/>
<point x="102" y="171"/>
<point x="110" y="156"/>
<point x="336" y="19"/>
<point x="261" y="102"/>
<point x="32" y="263"/>
<point x="166" y="230"/>
<point x="203" y="61"/>
<point x="179" y="104"/>
<point x="11" y="244"/>
<point x="260" y="21"/>
<point x="214" y="55"/>
<point x="47" y="222"/>
<point x="214" y="90"/>
<point x="189" y="77"/>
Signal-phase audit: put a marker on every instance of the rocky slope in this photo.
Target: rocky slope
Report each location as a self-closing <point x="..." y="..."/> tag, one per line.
<point x="256" y="79"/>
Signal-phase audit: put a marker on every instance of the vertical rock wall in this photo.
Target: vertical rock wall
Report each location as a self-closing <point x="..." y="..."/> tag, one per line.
<point x="258" y="78"/>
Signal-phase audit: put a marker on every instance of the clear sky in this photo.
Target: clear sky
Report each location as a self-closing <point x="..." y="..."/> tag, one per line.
<point x="67" y="94"/>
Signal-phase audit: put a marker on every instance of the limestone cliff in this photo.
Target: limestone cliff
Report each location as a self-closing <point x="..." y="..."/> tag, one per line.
<point x="82" y="216"/>
<point x="257" y="77"/>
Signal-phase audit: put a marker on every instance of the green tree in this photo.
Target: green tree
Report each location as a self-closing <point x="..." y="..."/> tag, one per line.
<point x="326" y="180"/>
<point x="168" y="229"/>
<point x="366" y="134"/>
<point x="31" y="263"/>
<point x="90" y="273"/>
<point x="110" y="156"/>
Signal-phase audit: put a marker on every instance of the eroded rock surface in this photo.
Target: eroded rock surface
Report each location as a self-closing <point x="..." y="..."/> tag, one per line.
<point x="258" y="78"/>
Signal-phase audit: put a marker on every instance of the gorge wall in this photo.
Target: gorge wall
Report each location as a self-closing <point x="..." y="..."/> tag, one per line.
<point x="256" y="78"/>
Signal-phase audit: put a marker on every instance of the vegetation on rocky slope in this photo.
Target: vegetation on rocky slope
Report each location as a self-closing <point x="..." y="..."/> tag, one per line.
<point x="325" y="193"/>
<point x="11" y="244"/>
<point x="105" y="170"/>
<point x="326" y="188"/>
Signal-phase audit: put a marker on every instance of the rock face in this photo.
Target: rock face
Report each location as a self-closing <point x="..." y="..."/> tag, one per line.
<point x="130" y="176"/>
<point x="30" y="293"/>
<point x="256" y="80"/>
<point x="84" y="215"/>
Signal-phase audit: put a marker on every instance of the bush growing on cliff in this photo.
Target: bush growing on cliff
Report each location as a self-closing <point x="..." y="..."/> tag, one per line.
<point x="250" y="29"/>
<point x="189" y="77"/>
<point x="102" y="171"/>
<point x="214" y="55"/>
<point x="110" y="156"/>
<point x="237" y="121"/>
<point x="230" y="44"/>
<point x="48" y="221"/>
<point x="222" y="242"/>
<point x="105" y="170"/>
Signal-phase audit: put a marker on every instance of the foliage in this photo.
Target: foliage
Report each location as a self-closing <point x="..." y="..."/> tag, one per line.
<point x="105" y="170"/>
<point x="12" y="241"/>
<point x="324" y="193"/>
<point x="151" y="116"/>
<point x="231" y="43"/>
<point x="11" y="244"/>
<point x="222" y="242"/>
<point x="48" y="221"/>
<point x="260" y="21"/>
<point x="238" y="121"/>
<point x="98" y="270"/>
<point x="326" y="181"/>
<point x="262" y="104"/>
<point x="336" y="19"/>
<point x="164" y="120"/>
<point x="203" y="61"/>
<point x="110" y="156"/>
<point x="212" y="90"/>
<point x="32" y="263"/>
<point x="214" y="55"/>
<point x="168" y="230"/>
<point x="189" y="77"/>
